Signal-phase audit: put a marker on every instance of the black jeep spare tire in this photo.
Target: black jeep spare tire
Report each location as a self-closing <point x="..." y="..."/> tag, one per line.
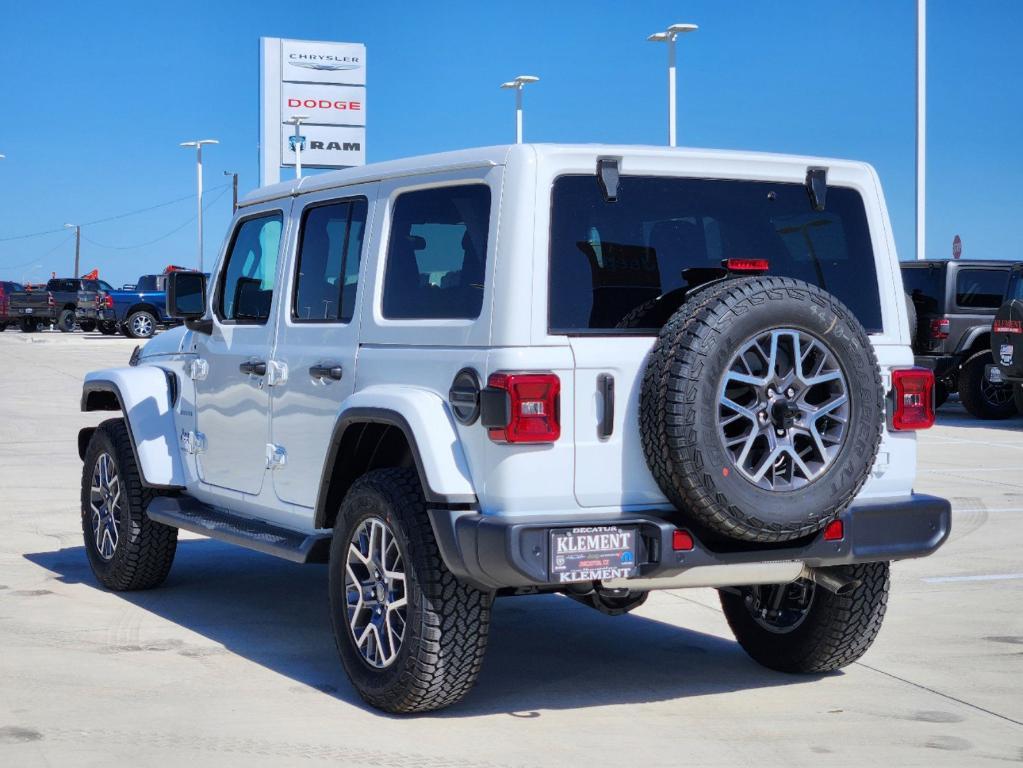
<point x="761" y="409"/>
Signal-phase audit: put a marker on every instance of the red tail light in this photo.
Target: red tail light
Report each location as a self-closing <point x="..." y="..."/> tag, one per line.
<point x="533" y="400"/>
<point x="1007" y="326"/>
<point x="747" y="265"/>
<point x="914" y="398"/>
<point x="49" y="299"/>
<point x="105" y="301"/>
<point x="834" y="531"/>
<point x="939" y="328"/>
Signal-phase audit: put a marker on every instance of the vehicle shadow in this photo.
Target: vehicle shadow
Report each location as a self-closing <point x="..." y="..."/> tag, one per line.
<point x="545" y="652"/>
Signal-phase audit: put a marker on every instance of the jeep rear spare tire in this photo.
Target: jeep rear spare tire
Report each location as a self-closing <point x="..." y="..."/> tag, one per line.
<point x="762" y="409"/>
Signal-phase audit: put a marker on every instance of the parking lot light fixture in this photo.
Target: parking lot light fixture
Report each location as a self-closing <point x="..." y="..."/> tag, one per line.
<point x="518" y="84"/>
<point x="297" y="141"/>
<point x="669" y="36"/>
<point x="198" y="144"/>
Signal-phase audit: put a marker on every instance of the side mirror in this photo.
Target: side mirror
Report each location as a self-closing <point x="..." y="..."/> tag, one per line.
<point x="186" y="297"/>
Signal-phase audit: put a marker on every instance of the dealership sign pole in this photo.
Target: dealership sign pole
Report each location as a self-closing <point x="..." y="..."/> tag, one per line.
<point x="324" y="84"/>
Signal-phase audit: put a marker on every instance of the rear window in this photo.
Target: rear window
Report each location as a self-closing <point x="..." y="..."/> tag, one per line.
<point x="62" y="285"/>
<point x="151" y="283"/>
<point x="926" y="286"/>
<point x="611" y="262"/>
<point x="981" y="288"/>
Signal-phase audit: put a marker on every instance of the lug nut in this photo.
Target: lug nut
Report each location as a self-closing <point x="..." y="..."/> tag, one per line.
<point x="790" y="392"/>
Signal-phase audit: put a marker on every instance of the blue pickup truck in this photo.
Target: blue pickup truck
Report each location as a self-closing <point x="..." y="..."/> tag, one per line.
<point x="138" y="312"/>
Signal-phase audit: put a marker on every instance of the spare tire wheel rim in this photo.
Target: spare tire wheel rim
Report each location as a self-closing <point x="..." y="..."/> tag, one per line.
<point x="783" y="409"/>
<point x="377" y="602"/>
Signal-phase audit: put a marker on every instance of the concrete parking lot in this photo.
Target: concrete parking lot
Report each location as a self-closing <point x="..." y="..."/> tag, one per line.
<point x="232" y="661"/>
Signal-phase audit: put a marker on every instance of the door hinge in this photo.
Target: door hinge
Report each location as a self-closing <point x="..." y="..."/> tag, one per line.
<point x="193" y="442"/>
<point x="276" y="456"/>
<point x="198" y="369"/>
<point x="276" y="373"/>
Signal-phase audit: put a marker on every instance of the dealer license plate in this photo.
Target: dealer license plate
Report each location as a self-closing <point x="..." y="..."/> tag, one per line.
<point x="593" y="553"/>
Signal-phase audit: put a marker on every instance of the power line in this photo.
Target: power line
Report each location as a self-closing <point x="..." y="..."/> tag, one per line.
<point x="176" y="229"/>
<point x="110" y="218"/>
<point x="65" y="241"/>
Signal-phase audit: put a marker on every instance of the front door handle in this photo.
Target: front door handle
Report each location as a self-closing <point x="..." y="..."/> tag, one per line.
<point x="253" y="368"/>
<point x="326" y="371"/>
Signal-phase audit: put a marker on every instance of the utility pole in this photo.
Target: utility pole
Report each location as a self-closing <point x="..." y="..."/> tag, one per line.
<point x="234" y="190"/>
<point x="518" y="84"/>
<point x="198" y="144"/>
<point x="921" y="129"/>
<point x="669" y="36"/>
<point x="78" y="244"/>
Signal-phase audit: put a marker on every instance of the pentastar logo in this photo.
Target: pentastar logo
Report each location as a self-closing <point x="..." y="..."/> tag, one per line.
<point x="324" y="62"/>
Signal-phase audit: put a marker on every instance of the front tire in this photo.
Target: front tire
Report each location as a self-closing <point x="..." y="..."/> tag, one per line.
<point x="126" y="550"/>
<point x="981" y="398"/>
<point x="87" y="326"/>
<point x="811" y="630"/>
<point x="107" y="328"/>
<point x="410" y="635"/>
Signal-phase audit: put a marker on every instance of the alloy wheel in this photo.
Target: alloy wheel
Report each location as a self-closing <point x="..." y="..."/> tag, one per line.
<point x="783" y="409"/>
<point x="105" y="502"/>
<point x="376" y="592"/>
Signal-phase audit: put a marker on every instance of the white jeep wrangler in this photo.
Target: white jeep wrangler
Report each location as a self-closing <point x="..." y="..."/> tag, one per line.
<point x="594" y="370"/>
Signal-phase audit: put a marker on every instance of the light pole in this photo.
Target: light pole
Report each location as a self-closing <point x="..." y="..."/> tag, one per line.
<point x="198" y="143"/>
<point x="78" y="244"/>
<point x="297" y="141"/>
<point x="921" y="128"/>
<point x="669" y="36"/>
<point x="518" y="84"/>
<point x="234" y="190"/>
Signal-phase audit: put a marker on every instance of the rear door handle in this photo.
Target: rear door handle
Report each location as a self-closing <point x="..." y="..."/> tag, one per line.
<point x="606" y="387"/>
<point x="253" y="368"/>
<point x="326" y="371"/>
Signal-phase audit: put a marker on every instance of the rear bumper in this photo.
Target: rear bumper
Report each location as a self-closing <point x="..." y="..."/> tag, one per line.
<point x="493" y="551"/>
<point x="942" y="365"/>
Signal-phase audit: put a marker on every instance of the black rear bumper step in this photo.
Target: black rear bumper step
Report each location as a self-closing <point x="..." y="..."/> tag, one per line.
<point x="494" y="551"/>
<point x="192" y="515"/>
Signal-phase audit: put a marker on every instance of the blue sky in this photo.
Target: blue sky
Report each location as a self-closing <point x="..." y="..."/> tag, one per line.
<point x="96" y="97"/>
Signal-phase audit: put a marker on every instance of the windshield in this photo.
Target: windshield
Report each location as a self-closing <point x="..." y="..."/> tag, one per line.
<point x="611" y="260"/>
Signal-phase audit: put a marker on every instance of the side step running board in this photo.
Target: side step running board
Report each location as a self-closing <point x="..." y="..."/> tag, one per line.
<point x="192" y="515"/>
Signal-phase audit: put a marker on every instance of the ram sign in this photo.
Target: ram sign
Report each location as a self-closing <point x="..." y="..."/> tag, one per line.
<point x="326" y="84"/>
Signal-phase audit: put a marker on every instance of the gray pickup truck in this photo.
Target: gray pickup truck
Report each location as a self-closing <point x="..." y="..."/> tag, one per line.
<point x="955" y="303"/>
<point x="56" y="303"/>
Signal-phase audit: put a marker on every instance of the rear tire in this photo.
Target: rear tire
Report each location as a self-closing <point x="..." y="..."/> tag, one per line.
<point x="29" y="326"/>
<point x="140" y="325"/>
<point x="66" y="320"/>
<point x="107" y="328"/>
<point x="833" y="632"/>
<point x="126" y="550"/>
<point x="940" y="394"/>
<point x="87" y="326"/>
<point x="1017" y="396"/>
<point x="981" y="398"/>
<point x="421" y="632"/>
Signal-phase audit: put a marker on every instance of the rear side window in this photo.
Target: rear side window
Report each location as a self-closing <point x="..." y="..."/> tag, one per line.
<point x="328" y="262"/>
<point x="926" y="286"/>
<point x="62" y="286"/>
<point x="437" y="253"/>
<point x="981" y="288"/>
<point x="247" y="282"/>
<point x="146" y="283"/>
<point x="611" y="263"/>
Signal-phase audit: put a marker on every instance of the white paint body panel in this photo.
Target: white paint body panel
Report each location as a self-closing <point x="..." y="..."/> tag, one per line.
<point x="145" y="398"/>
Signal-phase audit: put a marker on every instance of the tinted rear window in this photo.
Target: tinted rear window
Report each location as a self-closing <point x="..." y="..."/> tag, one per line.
<point x="981" y="288"/>
<point x="62" y="285"/>
<point x="609" y="261"/>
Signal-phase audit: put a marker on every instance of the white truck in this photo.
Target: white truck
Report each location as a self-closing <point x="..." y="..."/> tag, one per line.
<point x="585" y="369"/>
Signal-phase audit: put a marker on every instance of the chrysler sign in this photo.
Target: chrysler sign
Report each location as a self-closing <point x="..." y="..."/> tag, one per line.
<point x="323" y="82"/>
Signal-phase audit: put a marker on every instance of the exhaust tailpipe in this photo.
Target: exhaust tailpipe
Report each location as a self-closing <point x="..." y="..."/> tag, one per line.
<point x="831" y="579"/>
